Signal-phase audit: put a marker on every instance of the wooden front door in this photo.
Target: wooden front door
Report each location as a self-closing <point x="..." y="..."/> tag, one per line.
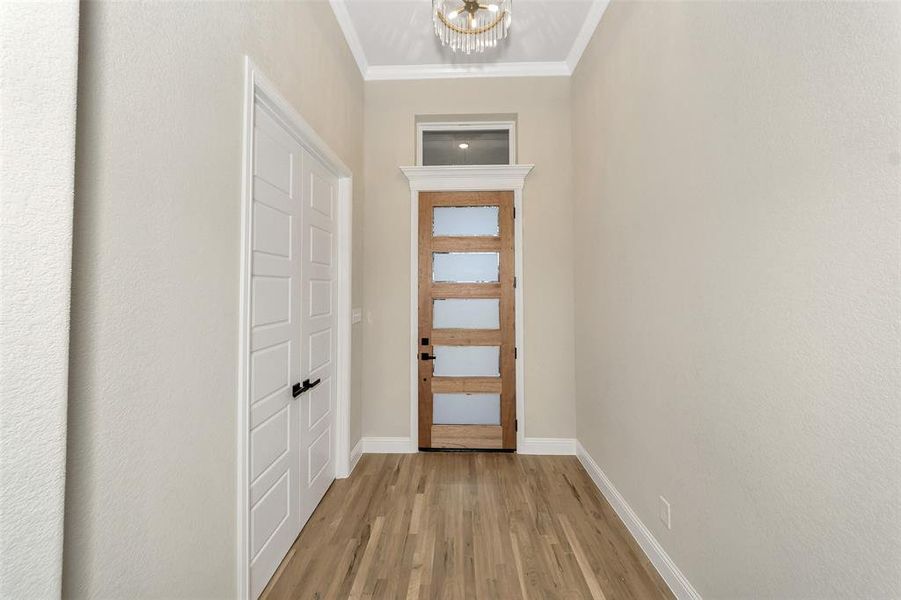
<point x="467" y="357"/>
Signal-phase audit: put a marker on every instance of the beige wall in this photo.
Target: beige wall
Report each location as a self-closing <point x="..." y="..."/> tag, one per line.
<point x="542" y="106"/>
<point x="151" y="483"/>
<point x="39" y="66"/>
<point x="737" y="287"/>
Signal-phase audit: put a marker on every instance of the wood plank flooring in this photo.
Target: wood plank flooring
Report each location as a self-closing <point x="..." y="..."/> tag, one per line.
<point x="465" y="525"/>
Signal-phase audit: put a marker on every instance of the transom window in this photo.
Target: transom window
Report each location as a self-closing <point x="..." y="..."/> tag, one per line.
<point x="473" y="143"/>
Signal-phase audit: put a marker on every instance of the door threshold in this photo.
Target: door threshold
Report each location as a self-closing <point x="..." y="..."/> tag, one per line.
<point x="507" y="450"/>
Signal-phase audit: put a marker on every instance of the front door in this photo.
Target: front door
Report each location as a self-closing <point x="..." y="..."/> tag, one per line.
<point x="467" y="365"/>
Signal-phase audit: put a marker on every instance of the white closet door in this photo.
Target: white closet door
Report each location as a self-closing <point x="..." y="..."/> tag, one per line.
<point x="319" y="269"/>
<point x="275" y="348"/>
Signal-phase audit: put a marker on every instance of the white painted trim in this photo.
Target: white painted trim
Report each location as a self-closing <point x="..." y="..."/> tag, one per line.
<point x="342" y="15"/>
<point x="465" y="126"/>
<point x="355" y="455"/>
<point x="519" y="299"/>
<point x="413" y="348"/>
<point x="469" y="70"/>
<point x="268" y="95"/>
<point x="548" y="446"/>
<point x="388" y="445"/>
<point x="242" y="565"/>
<point x="258" y="89"/>
<point x="466" y="178"/>
<point x="343" y="325"/>
<point x="665" y="565"/>
<point x="508" y="126"/>
<point x="592" y="20"/>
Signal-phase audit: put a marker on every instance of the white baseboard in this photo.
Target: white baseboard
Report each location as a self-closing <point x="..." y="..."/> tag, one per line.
<point x="548" y="446"/>
<point x="402" y="445"/>
<point x="355" y="455"/>
<point x="671" y="574"/>
<point x="388" y="445"/>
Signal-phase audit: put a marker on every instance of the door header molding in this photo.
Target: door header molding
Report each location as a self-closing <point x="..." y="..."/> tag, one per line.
<point x="467" y="177"/>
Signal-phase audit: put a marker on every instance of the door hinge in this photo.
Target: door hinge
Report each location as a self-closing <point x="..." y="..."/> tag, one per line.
<point x="514" y="212"/>
<point x="515" y="424"/>
<point x="514" y="282"/>
<point x="515" y="352"/>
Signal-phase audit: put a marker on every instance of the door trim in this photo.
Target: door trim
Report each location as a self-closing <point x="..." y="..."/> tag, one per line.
<point x="466" y="179"/>
<point x="258" y="88"/>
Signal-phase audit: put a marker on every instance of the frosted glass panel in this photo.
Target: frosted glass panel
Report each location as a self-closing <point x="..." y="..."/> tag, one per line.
<point x="467" y="361"/>
<point x="465" y="221"/>
<point x="466" y="409"/>
<point x="466" y="313"/>
<point x="465" y="267"/>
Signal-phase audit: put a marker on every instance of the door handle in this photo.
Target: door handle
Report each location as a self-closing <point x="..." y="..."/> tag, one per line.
<point x="427" y="356"/>
<point x="306" y="386"/>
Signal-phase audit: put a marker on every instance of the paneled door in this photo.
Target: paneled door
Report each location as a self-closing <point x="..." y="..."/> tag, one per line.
<point x="292" y="342"/>
<point x="319" y="397"/>
<point x="467" y="364"/>
<point x="275" y="347"/>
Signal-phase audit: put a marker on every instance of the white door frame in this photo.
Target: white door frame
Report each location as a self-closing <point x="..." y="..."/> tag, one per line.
<point x="258" y="88"/>
<point x="466" y="179"/>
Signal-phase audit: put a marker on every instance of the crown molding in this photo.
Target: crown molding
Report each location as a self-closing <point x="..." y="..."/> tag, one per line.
<point x="592" y="20"/>
<point x="339" y="7"/>
<point x="457" y="71"/>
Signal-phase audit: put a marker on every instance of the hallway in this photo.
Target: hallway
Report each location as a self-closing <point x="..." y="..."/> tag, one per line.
<point x="258" y="260"/>
<point x="465" y="525"/>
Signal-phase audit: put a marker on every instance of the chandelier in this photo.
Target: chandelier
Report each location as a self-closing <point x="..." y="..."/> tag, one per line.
<point x="471" y="27"/>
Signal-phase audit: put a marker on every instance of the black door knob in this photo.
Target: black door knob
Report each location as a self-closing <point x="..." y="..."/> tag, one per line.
<point x="426" y="356"/>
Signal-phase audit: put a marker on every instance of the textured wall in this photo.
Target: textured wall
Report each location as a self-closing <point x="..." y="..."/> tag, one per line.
<point x="38" y="62"/>
<point x="543" y="134"/>
<point x="151" y="491"/>
<point x="737" y="232"/>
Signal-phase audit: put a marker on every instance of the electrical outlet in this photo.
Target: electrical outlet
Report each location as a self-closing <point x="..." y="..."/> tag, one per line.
<point x="664" y="512"/>
<point x="356" y="315"/>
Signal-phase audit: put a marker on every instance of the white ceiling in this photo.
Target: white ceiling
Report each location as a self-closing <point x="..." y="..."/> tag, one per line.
<point x="394" y="39"/>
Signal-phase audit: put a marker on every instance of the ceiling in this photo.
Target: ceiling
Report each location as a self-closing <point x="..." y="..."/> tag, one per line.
<point x="394" y="39"/>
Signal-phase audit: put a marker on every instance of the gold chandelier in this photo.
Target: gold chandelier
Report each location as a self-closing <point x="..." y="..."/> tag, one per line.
<point x="471" y="27"/>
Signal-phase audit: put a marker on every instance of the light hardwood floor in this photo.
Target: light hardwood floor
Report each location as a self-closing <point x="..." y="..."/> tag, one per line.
<point x="465" y="525"/>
